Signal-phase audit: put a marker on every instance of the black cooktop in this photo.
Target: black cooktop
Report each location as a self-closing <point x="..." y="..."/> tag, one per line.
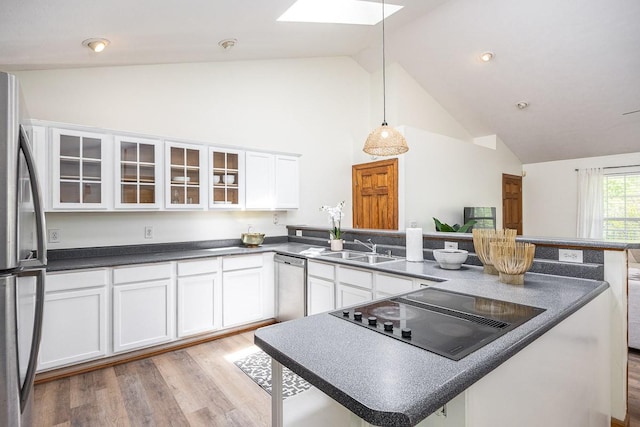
<point x="447" y="323"/>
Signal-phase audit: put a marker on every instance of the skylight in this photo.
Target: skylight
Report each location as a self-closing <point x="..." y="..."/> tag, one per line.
<point x="338" y="12"/>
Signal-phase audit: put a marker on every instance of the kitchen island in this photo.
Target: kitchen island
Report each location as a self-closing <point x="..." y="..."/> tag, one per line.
<point x="552" y="370"/>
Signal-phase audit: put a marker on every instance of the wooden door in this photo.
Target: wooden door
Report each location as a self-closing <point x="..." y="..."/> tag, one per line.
<point x="375" y="195"/>
<point x="512" y="202"/>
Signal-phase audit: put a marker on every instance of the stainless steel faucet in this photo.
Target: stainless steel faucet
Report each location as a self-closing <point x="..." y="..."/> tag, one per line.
<point x="371" y="247"/>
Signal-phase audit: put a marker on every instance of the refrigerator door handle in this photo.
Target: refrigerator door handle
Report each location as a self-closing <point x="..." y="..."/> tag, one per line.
<point x="35" y="340"/>
<point x="41" y="259"/>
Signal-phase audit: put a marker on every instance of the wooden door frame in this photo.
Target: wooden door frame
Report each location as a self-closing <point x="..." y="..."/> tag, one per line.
<point x="519" y="178"/>
<point x="394" y="163"/>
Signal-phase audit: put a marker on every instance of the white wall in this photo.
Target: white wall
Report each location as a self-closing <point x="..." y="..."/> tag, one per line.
<point x="443" y="171"/>
<point x="443" y="175"/>
<point x="314" y="107"/>
<point x="550" y="193"/>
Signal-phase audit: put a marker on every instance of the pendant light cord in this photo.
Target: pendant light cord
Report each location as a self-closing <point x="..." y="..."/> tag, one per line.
<point x="384" y="76"/>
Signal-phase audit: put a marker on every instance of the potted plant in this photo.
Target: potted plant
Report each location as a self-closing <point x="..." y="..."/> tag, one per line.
<point x="455" y="228"/>
<point x="335" y="219"/>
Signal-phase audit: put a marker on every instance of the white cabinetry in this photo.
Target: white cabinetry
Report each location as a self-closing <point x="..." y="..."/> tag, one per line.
<point x="143" y="306"/>
<point x="138" y="169"/>
<point x="272" y="181"/>
<point x="287" y="188"/>
<point x="247" y="289"/>
<point x="199" y="297"/>
<point x="78" y="169"/>
<point x="226" y="178"/>
<point x="353" y="286"/>
<point x="75" y="318"/>
<point x="185" y="176"/>
<point x="320" y="287"/>
<point x="388" y="285"/>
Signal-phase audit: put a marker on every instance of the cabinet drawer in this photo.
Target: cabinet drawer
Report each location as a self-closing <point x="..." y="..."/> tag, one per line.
<point x="393" y="285"/>
<point x="318" y="269"/>
<point x="201" y="266"/>
<point x="76" y="280"/>
<point x="141" y="273"/>
<point x="356" y="277"/>
<point x="241" y="262"/>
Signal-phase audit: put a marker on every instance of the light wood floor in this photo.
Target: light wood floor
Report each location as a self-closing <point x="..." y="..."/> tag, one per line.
<point x="196" y="386"/>
<point x="634" y="388"/>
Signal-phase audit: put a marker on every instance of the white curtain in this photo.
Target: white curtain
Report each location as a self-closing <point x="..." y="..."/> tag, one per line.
<point x="590" y="203"/>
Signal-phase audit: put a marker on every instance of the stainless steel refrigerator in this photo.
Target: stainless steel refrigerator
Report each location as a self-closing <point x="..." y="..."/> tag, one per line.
<point x="23" y="258"/>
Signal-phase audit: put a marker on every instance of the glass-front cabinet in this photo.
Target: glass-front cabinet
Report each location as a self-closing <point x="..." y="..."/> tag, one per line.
<point x="226" y="186"/>
<point x="138" y="171"/>
<point x="78" y="168"/>
<point x="185" y="176"/>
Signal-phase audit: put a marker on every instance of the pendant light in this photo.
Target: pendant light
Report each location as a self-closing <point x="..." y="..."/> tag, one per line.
<point x="385" y="140"/>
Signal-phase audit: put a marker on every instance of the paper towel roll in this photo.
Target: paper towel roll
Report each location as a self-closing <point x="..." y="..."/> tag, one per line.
<point x="414" y="244"/>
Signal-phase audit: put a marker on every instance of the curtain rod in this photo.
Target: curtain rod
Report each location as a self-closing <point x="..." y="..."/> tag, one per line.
<point x="616" y="167"/>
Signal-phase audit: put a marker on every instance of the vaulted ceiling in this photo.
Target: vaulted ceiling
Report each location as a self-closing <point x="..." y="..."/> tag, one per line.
<point x="575" y="62"/>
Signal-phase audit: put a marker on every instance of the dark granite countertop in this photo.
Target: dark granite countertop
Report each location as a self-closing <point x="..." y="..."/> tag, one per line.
<point x="116" y="256"/>
<point x="387" y="382"/>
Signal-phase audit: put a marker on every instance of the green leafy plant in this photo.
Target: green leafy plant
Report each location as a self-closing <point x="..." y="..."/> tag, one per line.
<point x="455" y="228"/>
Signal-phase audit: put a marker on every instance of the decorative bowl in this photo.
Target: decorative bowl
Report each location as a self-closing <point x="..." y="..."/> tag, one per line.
<point x="512" y="260"/>
<point x="252" y="240"/>
<point x="228" y="179"/>
<point x="216" y="179"/>
<point x="450" y="259"/>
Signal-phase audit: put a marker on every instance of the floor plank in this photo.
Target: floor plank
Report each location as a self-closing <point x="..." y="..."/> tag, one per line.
<point x="197" y="386"/>
<point x="634" y="388"/>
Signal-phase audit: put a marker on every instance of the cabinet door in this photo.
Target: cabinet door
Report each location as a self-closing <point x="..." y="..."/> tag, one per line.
<point x="348" y="295"/>
<point x="287" y="192"/>
<point x="242" y="296"/>
<point x="143" y="314"/>
<point x="79" y="174"/>
<point x="74" y="327"/>
<point x="320" y="295"/>
<point x="137" y="173"/>
<point x="196" y="304"/>
<point x="392" y="285"/>
<point x="185" y="176"/>
<point x="226" y="178"/>
<point x="259" y="176"/>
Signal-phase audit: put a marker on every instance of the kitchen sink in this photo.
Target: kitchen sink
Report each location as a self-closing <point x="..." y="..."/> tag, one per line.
<point x="344" y="255"/>
<point x="362" y="257"/>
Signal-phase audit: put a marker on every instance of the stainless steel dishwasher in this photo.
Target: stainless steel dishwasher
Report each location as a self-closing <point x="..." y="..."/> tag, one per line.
<point x="291" y="287"/>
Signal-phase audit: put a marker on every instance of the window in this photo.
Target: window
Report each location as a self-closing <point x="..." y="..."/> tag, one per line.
<point x="622" y="206"/>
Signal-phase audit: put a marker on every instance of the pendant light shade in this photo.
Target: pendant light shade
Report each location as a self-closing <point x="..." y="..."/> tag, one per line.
<point x="385" y="140"/>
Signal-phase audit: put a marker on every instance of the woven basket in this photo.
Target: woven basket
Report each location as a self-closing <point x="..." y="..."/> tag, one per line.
<point x="512" y="260"/>
<point x="482" y="239"/>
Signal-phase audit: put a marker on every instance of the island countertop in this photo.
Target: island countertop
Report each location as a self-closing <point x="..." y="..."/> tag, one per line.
<point x="388" y="382"/>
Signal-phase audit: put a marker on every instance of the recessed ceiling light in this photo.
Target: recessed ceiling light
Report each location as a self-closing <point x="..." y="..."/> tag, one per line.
<point x="96" y="45"/>
<point x="522" y="105"/>
<point x="486" y="56"/>
<point x="337" y="12"/>
<point x="227" y="44"/>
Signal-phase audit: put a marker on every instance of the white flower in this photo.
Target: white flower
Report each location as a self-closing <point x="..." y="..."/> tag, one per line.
<point x="335" y="218"/>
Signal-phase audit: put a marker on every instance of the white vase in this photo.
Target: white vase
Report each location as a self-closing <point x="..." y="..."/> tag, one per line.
<point x="336" y="244"/>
